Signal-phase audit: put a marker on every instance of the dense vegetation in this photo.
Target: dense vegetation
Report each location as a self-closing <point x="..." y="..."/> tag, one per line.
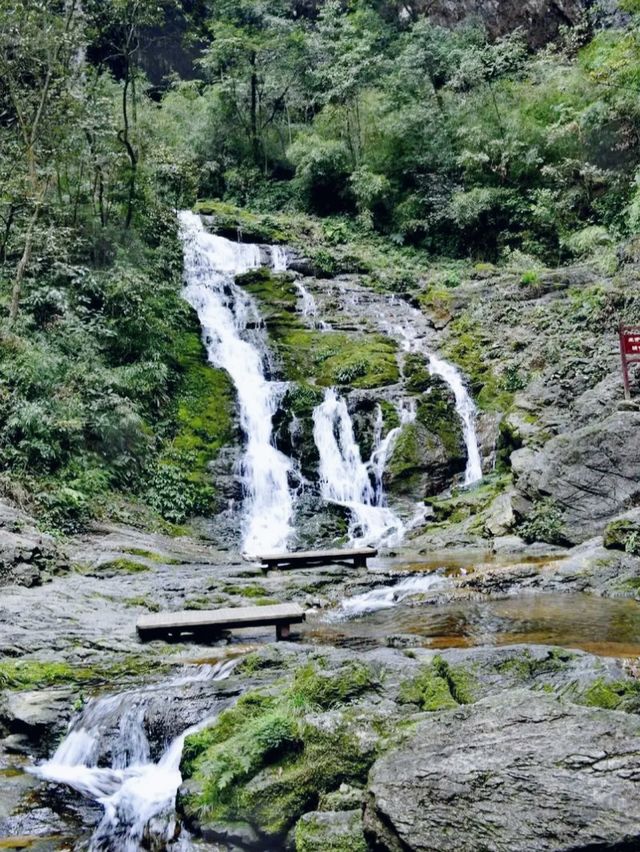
<point x="407" y="138"/>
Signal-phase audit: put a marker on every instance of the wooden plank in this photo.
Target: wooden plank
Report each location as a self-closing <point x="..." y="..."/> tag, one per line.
<point x="210" y="621"/>
<point x="302" y="555"/>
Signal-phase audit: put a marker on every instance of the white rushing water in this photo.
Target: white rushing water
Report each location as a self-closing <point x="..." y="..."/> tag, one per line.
<point x="383" y="446"/>
<point x="449" y="373"/>
<point x="134" y="791"/>
<point x="385" y="597"/>
<point x="344" y="477"/>
<point x="226" y="313"/>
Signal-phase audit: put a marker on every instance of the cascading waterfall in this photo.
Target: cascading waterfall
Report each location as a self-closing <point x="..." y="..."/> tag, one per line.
<point x="383" y="446"/>
<point x="465" y="406"/>
<point x="134" y="791"/>
<point x="466" y="410"/>
<point x="225" y="312"/>
<point x="344" y="477"/>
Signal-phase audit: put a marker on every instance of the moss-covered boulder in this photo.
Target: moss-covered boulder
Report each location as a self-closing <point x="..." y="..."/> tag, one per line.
<point x="267" y="760"/>
<point x="331" y="831"/>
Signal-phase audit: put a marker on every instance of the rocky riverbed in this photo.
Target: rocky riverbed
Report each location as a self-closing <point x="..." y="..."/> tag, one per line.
<point x="444" y="644"/>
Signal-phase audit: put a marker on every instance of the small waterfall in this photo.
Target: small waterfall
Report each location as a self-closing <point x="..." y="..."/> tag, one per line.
<point x="465" y="406"/>
<point x="344" y="478"/>
<point x="279" y="259"/>
<point x="226" y="312"/>
<point x="309" y="307"/>
<point x="383" y="447"/>
<point x="386" y="597"/>
<point x="466" y="409"/>
<point x="133" y="792"/>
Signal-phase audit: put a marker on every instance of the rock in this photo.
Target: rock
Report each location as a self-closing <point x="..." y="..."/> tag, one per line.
<point x="40" y="715"/>
<point x="518" y="770"/>
<point x="346" y="798"/>
<point x="330" y="831"/>
<point x="591" y="475"/>
<point x="501" y="518"/>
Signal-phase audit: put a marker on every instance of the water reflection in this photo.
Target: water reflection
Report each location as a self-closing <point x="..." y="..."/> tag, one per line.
<point x="610" y="627"/>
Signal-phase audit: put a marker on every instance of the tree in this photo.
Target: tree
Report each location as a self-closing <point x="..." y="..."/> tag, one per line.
<point x="39" y="60"/>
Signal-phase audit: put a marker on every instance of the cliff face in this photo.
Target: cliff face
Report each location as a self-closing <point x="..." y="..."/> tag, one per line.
<point x="539" y="19"/>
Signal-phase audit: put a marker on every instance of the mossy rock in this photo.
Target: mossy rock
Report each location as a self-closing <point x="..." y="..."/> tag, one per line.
<point x="265" y="761"/>
<point x="419" y="463"/>
<point x="623" y="534"/>
<point x="613" y="695"/>
<point x="439" y="686"/>
<point x="339" y="831"/>
<point x="417" y="377"/>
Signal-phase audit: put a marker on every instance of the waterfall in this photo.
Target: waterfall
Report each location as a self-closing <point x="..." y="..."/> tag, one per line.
<point x="383" y="447"/>
<point x="466" y="410"/>
<point x="465" y="406"/>
<point x="226" y="312"/>
<point x="344" y="478"/>
<point x="133" y="791"/>
<point x="279" y="258"/>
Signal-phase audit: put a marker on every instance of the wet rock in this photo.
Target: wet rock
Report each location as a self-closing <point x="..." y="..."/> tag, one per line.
<point x="39" y="715"/>
<point x="330" y="831"/>
<point x="514" y="771"/>
<point x="591" y="475"/>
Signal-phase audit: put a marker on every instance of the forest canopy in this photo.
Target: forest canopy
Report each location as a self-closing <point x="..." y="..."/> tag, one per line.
<point x="116" y="113"/>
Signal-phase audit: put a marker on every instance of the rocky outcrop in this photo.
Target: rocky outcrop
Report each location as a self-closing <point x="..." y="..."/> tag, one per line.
<point x="515" y="771"/>
<point x="25" y="552"/>
<point x="540" y="20"/>
<point x="591" y="475"/>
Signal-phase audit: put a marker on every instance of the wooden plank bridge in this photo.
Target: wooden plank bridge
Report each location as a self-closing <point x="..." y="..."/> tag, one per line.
<point x="203" y="624"/>
<point x="309" y="558"/>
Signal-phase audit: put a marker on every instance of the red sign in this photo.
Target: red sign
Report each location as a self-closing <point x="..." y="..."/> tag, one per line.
<point x="629" y="351"/>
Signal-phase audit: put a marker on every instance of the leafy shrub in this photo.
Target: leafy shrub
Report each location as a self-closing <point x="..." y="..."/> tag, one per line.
<point x="544" y="523"/>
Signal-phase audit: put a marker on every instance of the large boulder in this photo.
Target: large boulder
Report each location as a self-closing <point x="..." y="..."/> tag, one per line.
<point x="591" y="475"/>
<point x="518" y="770"/>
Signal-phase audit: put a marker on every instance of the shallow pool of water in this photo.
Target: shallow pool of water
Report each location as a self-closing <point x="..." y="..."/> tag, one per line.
<point x="605" y="626"/>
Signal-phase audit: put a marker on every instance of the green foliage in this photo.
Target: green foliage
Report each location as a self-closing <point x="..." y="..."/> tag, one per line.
<point x="624" y="535"/>
<point x="544" y="523"/>
<point x="438" y="686"/>
<point x="315" y="688"/>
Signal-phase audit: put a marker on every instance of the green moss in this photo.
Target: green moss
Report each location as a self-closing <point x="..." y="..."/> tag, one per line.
<point x="126" y="565"/>
<point x="407" y="453"/>
<point x="313" y="687"/>
<point x="416" y="374"/>
<point x="314" y="834"/>
<point x="35" y="674"/>
<point x="467" y="502"/>
<point x="524" y="667"/>
<point x="152" y="556"/>
<point x="613" y="695"/>
<point x="438" y="686"/>
<point x="152" y="606"/>
<point x="334" y="358"/>
<point x="206" y="408"/>
<point x="436" y="412"/>
<point x="251" y="591"/>
<point x="262" y="764"/>
<point x="254" y="227"/>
